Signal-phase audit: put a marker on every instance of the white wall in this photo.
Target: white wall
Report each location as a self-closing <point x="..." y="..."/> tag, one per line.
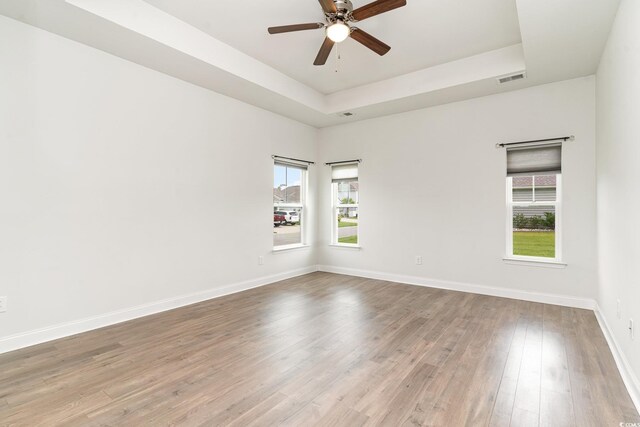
<point x="121" y="186"/>
<point x="618" y="151"/>
<point x="432" y="183"/>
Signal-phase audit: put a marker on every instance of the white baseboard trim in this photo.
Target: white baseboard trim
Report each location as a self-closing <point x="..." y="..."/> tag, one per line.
<point x="626" y="371"/>
<point x="563" y="300"/>
<point x="38" y="336"/>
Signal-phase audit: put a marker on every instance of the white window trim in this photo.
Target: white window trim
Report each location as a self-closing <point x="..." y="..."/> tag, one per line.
<point x="286" y="248"/>
<point x="345" y="246"/>
<point x="558" y="230"/>
<point x="334" y="218"/>
<point x="303" y="212"/>
<point x="535" y="263"/>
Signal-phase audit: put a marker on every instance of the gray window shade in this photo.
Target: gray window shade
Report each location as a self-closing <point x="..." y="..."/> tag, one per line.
<point x="348" y="172"/>
<point x="291" y="164"/>
<point x="541" y="160"/>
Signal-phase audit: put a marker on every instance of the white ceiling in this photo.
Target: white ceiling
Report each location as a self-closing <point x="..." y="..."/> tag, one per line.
<point x="422" y="34"/>
<point x="442" y="50"/>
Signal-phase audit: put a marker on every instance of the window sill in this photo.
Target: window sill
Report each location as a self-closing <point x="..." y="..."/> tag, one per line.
<point x="354" y="247"/>
<point x="534" y="263"/>
<point x="288" y="248"/>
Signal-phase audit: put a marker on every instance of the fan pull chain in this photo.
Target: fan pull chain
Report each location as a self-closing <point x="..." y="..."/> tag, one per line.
<point x="337" y="57"/>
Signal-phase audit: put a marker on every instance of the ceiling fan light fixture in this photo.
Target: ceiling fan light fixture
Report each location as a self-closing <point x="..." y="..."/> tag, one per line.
<point x="338" y="32"/>
<point x="338" y="15"/>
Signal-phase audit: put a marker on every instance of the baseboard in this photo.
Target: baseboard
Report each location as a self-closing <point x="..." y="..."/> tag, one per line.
<point x="626" y="371"/>
<point x="38" y="336"/>
<point x="563" y="300"/>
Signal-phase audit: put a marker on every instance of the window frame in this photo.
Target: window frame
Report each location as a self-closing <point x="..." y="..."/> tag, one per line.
<point x="557" y="204"/>
<point x="336" y="206"/>
<point x="302" y="206"/>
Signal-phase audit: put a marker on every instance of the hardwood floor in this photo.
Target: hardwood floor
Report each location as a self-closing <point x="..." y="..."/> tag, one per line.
<point x="326" y="349"/>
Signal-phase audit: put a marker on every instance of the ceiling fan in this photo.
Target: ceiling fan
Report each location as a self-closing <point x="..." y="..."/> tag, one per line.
<point x="339" y="15"/>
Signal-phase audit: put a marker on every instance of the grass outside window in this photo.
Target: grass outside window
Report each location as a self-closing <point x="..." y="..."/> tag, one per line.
<point x="343" y="224"/>
<point x="352" y="240"/>
<point x="534" y="243"/>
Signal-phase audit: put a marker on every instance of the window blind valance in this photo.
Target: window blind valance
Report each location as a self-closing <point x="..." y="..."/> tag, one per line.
<point x="290" y="164"/>
<point x="534" y="160"/>
<point x="344" y="172"/>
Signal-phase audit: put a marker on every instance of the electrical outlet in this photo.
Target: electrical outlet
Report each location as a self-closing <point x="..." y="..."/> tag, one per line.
<point x="3" y="304"/>
<point x="618" y="310"/>
<point x="260" y="260"/>
<point x="631" y="331"/>
<point x="419" y="260"/>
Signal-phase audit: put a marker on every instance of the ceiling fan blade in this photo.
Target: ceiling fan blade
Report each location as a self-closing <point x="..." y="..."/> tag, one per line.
<point x="369" y="41"/>
<point x="296" y="27"/>
<point x="376" y="8"/>
<point x="328" y="6"/>
<point x="325" y="50"/>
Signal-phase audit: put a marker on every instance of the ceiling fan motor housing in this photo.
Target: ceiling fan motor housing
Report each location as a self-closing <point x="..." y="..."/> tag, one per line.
<point x="345" y="7"/>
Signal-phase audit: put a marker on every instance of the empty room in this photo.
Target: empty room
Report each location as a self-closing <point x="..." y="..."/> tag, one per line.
<point x="454" y="187"/>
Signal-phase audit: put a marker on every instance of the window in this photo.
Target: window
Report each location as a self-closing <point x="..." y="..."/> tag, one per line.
<point x="345" y="195"/>
<point x="533" y="203"/>
<point x="289" y="194"/>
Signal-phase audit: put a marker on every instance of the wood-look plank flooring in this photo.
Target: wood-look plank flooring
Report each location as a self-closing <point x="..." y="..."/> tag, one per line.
<point x="329" y="350"/>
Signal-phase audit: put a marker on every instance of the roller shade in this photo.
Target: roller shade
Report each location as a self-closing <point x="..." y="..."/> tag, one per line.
<point x="291" y="164"/>
<point x="348" y="172"/>
<point x="537" y="160"/>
